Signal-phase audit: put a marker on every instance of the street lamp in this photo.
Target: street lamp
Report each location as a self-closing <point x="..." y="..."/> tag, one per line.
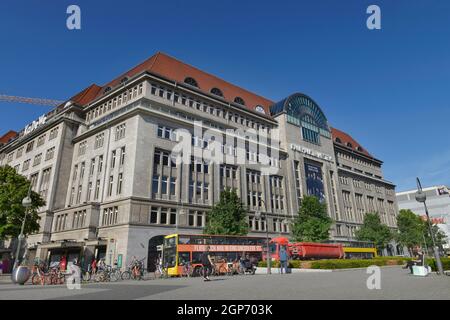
<point x="259" y="216"/>
<point x="26" y="203"/>
<point x="422" y="197"/>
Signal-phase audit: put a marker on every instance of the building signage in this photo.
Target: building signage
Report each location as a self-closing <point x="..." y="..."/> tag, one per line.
<point x="35" y="124"/>
<point x="314" y="181"/>
<point x="312" y="153"/>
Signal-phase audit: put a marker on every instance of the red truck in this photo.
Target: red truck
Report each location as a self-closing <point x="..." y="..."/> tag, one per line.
<point x="306" y="250"/>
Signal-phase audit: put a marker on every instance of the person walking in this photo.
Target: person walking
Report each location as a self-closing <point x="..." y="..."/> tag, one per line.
<point x="207" y="264"/>
<point x="283" y="258"/>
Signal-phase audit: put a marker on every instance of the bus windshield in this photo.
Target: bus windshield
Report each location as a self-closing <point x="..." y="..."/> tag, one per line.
<point x="170" y="252"/>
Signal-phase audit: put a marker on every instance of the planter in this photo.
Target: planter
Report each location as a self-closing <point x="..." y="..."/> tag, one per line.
<point x="20" y="275"/>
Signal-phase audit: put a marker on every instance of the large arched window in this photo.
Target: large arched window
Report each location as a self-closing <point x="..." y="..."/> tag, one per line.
<point x="239" y="100"/>
<point x="303" y="112"/>
<point x="217" y="92"/>
<point x="191" y="81"/>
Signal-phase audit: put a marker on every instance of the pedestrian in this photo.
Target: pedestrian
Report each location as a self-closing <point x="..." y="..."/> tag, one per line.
<point x="283" y="258"/>
<point x="207" y="264"/>
<point x="63" y="263"/>
<point x="93" y="266"/>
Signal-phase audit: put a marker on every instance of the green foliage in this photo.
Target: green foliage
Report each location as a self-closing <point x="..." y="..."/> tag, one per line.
<point x="312" y="223"/>
<point x="228" y="216"/>
<point x="445" y="263"/>
<point x="373" y="230"/>
<point x="332" y="264"/>
<point x="440" y="237"/>
<point x="413" y="231"/>
<point x="410" y="229"/>
<point x="13" y="188"/>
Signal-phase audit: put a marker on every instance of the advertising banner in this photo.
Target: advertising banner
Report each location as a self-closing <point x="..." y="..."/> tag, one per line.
<point x="314" y="181"/>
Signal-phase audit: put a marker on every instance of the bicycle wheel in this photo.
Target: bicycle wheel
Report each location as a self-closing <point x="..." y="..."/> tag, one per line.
<point x="99" y="276"/>
<point x="36" y="279"/>
<point x="126" y="275"/>
<point x="113" y="277"/>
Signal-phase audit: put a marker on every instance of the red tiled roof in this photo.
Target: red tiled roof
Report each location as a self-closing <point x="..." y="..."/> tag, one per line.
<point x="87" y="95"/>
<point x="7" y="136"/>
<point x="346" y="139"/>
<point x="173" y="69"/>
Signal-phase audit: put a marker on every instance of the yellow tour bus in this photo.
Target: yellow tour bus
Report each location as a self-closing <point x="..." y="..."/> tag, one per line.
<point x="179" y="249"/>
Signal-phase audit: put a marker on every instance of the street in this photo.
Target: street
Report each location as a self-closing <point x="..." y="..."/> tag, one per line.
<point x="396" y="283"/>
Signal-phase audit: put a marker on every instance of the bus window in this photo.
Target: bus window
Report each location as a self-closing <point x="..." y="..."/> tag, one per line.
<point x="183" y="258"/>
<point x="183" y="240"/>
<point x="196" y="257"/>
<point x="169" y="256"/>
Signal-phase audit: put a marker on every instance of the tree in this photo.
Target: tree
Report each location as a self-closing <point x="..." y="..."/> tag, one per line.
<point x="312" y="222"/>
<point x="410" y="229"/>
<point x="439" y="236"/>
<point x="228" y="216"/>
<point x="373" y="230"/>
<point x="13" y="188"/>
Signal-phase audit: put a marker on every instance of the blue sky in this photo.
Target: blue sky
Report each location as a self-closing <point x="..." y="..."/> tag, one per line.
<point x="388" y="88"/>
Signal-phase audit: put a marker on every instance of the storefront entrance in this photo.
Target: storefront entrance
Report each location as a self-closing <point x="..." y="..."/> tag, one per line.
<point x="153" y="252"/>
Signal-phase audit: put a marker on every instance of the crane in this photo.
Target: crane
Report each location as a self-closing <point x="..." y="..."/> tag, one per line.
<point x="38" y="101"/>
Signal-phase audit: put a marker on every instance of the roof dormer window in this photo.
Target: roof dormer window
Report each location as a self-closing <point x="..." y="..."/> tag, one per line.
<point x="191" y="81"/>
<point x="107" y="89"/>
<point x="217" y="92"/>
<point x="239" y="100"/>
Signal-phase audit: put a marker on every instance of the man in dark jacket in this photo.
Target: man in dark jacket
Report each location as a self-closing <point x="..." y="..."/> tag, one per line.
<point x="206" y="263"/>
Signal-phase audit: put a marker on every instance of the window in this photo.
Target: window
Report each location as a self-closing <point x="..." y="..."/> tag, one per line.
<point x="97" y="190"/>
<point x="239" y="100"/>
<point x="89" y="191"/>
<point x="191" y="81"/>
<point x="122" y="156"/>
<point x="107" y="89"/>
<point x="37" y="159"/>
<point x="120" y="131"/>
<point x="79" y="194"/>
<point x="45" y="182"/>
<point x="26" y="165"/>
<point x="110" y="185"/>
<point x="172" y="186"/>
<point x="82" y="148"/>
<point x="99" y="140"/>
<point x="53" y="133"/>
<point x="119" y="183"/>
<point x="100" y="164"/>
<point x="41" y="140"/>
<point x="166" y="133"/>
<point x="30" y="146"/>
<point x="50" y="153"/>
<point x="217" y="92"/>
<point x="110" y="216"/>
<point x="155" y="184"/>
<point x="82" y="166"/>
<point x="196" y="218"/>
<point x="19" y="152"/>
<point x="113" y="159"/>
<point x="92" y="167"/>
<point x="75" y="172"/>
